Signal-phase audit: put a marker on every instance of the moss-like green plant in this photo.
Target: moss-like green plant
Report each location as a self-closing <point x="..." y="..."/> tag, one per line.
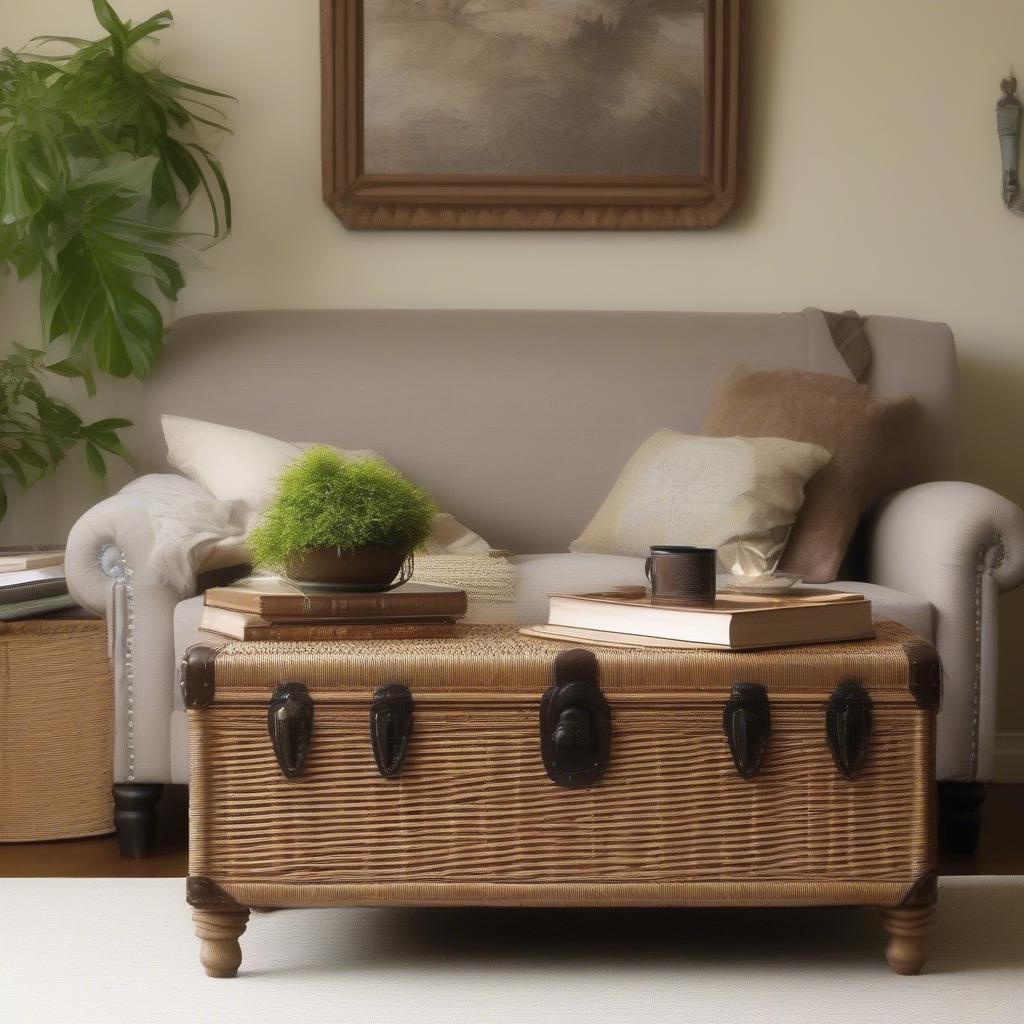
<point x="326" y="501"/>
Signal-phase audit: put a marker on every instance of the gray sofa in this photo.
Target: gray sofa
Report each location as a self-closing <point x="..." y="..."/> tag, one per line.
<point x="518" y="423"/>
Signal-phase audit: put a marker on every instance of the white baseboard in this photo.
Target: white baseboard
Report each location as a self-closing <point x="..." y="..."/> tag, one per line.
<point x="1009" y="757"/>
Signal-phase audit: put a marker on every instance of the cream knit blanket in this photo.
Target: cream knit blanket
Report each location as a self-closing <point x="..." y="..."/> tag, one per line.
<point x="489" y="579"/>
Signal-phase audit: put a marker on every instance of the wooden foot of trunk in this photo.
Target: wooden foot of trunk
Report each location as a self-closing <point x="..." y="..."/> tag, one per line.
<point x="907" y="927"/>
<point x="219" y="931"/>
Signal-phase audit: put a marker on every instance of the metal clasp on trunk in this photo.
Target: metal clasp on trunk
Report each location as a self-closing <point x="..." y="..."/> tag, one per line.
<point x="290" y="724"/>
<point x="848" y="726"/>
<point x="391" y="727"/>
<point x="747" y="724"/>
<point x="575" y="722"/>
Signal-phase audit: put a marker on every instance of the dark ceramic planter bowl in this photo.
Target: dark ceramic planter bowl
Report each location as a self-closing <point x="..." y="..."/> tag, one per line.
<point x="373" y="567"/>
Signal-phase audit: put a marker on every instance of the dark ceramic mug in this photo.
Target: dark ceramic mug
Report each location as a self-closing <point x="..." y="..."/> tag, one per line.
<point x="682" y="575"/>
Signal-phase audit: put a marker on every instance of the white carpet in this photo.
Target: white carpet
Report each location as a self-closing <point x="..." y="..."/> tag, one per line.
<point x="115" y="950"/>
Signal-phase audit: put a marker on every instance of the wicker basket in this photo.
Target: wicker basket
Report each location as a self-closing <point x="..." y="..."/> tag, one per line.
<point x="56" y="730"/>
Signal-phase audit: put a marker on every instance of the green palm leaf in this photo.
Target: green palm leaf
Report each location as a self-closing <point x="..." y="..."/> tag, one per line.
<point x="101" y="152"/>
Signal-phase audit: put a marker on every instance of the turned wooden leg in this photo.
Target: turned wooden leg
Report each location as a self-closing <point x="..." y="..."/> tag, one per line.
<point x="219" y="931"/>
<point x="135" y="816"/>
<point x="907" y="928"/>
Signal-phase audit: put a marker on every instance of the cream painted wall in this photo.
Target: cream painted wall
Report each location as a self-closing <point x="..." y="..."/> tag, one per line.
<point x="873" y="182"/>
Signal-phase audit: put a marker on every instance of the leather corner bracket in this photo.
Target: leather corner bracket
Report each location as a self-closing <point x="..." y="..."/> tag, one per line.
<point x="205" y="894"/>
<point x="923" y="892"/>
<point x="197" y="683"/>
<point x="925" y="675"/>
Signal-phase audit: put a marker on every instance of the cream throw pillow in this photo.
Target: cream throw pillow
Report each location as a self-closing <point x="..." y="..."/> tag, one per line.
<point x="737" y="494"/>
<point x="232" y="464"/>
<point x="243" y="466"/>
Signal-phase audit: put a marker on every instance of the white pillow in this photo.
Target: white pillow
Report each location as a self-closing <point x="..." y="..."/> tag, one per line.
<point x="243" y="466"/>
<point x="739" y="495"/>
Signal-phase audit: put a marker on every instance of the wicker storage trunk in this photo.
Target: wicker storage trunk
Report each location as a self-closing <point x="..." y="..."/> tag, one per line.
<point x="495" y="769"/>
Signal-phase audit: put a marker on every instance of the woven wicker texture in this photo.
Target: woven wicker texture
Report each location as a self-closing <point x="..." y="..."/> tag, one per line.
<point x="473" y="803"/>
<point x="473" y="817"/>
<point x="570" y="894"/>
<point x="56" y="730"/>
<point x="494" y="660"/>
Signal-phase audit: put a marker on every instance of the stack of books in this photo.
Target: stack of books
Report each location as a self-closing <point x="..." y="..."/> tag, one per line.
<point x="32" y="582"/>
<point x="273" y="609"/>
<point x="627" y="616"/>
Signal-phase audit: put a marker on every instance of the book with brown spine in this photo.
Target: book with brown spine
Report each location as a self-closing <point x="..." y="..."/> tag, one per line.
<point x="247" y="626"/>
<point x="283" y="602"/>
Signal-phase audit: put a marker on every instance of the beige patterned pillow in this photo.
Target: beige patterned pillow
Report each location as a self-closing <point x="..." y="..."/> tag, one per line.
<point x="738" y="494"/>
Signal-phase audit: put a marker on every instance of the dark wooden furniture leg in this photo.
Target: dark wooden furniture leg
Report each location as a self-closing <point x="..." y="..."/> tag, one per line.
<point x="960" y="815"/>
<point x="135" y="816"/>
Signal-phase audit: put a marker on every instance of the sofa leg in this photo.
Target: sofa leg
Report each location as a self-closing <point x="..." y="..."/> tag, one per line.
<point x="960" y="815"/>
<point x="135" y="817"/>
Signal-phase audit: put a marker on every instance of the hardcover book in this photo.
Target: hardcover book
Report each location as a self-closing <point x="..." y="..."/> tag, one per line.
<point x="247" y="626"/>
<point x="32" y="584"/>
<point x="735" y="621"/>
<point x="16" y="559"/>
<point x="281" y="601"/>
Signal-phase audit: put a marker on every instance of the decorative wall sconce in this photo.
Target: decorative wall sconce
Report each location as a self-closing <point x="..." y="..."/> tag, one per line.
<point x="1008" y="117"/>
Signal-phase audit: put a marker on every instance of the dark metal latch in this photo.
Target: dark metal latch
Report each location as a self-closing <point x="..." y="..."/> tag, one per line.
<point x="575" y="722"/>
<point x="290" y="724"/>
<point x="391" y="727"/>
<point x="747" y="724"/>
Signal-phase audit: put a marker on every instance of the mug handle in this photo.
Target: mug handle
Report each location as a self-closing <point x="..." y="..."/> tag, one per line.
<point x="649" y="570"/>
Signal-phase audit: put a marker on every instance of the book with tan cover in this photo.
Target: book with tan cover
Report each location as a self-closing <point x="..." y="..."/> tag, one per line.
<point x="280" y="600"/>
<point x="15" y="559"/>
<point x="735" y="621"/>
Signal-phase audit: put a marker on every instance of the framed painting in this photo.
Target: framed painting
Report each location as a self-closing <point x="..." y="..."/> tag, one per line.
<point x="543" y="114"/>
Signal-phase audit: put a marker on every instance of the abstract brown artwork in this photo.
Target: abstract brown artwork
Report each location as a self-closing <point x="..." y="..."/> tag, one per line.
<point x="529" y="113"/>
<point x="533" y="87"/>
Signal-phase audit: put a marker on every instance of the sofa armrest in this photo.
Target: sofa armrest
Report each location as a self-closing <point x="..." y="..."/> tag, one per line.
<point x="109" y="571"/>
<point x="958" y="546"/>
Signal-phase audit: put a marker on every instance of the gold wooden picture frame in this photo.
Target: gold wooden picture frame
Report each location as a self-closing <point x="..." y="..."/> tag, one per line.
<point x="444" y="114"/>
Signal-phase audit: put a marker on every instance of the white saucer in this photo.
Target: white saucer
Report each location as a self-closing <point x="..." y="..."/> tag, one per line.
<point x="776" y="583"/>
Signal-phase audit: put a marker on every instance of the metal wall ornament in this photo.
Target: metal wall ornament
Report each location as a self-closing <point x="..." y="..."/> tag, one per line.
<point x="1008" y="122"/>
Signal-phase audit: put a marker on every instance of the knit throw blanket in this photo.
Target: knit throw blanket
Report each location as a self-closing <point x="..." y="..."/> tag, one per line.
<point x="489" y="579"/>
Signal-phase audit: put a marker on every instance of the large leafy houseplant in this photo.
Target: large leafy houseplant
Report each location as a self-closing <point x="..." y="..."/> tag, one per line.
<point x="101" y="153"/>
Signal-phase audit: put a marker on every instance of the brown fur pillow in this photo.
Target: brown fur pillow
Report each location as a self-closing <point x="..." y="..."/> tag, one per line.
<point x="872" y="440"/>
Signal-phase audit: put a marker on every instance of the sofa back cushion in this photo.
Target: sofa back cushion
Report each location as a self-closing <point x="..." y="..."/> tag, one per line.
<point x="516" y="422"/>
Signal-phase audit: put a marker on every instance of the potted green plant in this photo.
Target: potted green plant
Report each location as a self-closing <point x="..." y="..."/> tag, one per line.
<point x="351" y="523"/>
